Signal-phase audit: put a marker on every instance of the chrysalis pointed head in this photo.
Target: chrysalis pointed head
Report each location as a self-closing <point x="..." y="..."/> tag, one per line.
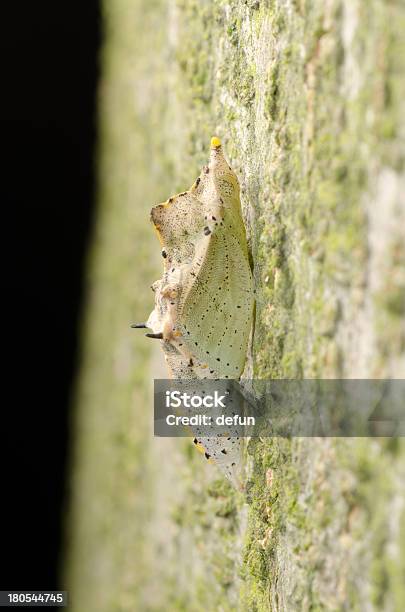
<point x="216" y="152"/>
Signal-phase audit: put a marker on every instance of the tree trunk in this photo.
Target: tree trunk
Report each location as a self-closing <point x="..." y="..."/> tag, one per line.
<point x="307" y="97"/>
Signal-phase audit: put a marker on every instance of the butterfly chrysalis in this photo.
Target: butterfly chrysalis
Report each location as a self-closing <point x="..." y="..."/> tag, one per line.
<point x="204" y="301"/>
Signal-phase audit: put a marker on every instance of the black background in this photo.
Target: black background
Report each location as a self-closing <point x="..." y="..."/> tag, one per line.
<point x="49" y="56"/>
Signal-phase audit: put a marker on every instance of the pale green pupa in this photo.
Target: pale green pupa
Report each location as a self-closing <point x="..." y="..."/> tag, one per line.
<point x="204" y="302"/>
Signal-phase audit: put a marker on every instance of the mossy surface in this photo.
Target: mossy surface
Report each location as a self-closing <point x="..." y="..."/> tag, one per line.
<point x="308" y="99"/>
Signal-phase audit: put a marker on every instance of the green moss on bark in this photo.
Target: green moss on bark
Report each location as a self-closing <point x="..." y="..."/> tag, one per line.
<point x="308" y="100"/>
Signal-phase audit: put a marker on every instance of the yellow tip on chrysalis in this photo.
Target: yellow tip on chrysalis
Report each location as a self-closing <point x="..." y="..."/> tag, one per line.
<point x="215" y="142"/>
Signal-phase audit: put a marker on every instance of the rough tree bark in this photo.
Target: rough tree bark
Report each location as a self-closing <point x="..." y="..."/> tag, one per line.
<point x="307" y="97"/>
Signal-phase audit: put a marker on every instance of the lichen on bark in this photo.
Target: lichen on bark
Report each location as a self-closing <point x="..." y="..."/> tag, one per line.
<point x="308" y="98"/>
